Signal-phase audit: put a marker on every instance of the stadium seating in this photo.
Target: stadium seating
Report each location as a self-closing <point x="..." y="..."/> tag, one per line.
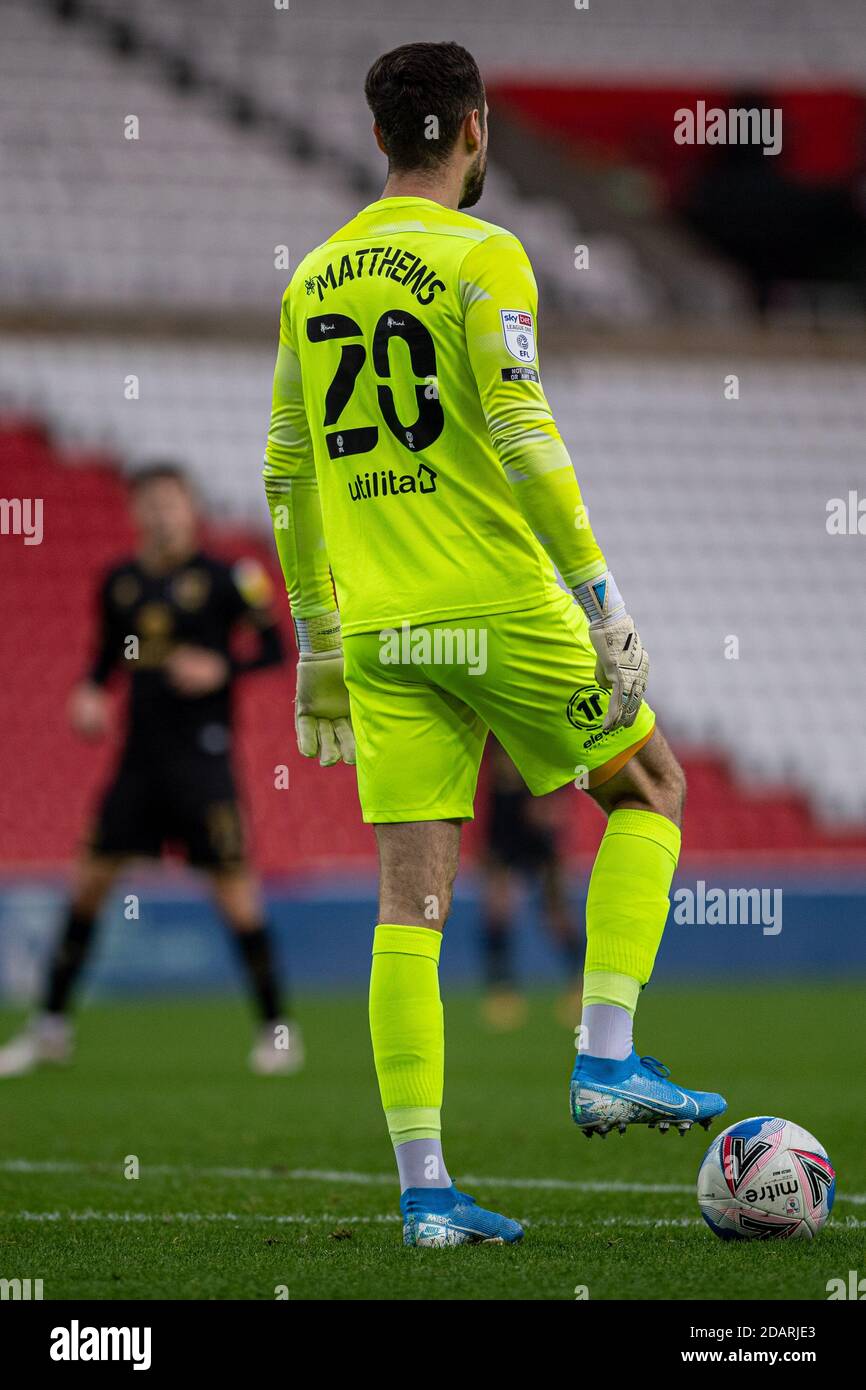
<point x="192" y="212"/>
<point x="734" y="40"/>
<point x="712" y="512"/>
<point x="207" y="405"/>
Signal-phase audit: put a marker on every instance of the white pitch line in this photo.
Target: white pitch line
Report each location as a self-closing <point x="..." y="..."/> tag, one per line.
<point x="329" y="1218"/>
<point x="331" y="1175"/>
<point x="350" y="1178"/>
<point x="192" y="1217"/>
<point x="300" y="1219"/>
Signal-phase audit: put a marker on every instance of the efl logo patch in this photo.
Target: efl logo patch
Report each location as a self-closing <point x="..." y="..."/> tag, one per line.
<point x="518" y="331"/>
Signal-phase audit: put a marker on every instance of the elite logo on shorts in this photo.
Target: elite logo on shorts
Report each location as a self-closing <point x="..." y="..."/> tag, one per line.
<point x="518" y="331"/>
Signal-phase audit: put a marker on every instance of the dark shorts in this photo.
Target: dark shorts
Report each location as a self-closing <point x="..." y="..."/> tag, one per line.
<point x="513" y="841"/>
<point x="187" y="801"/>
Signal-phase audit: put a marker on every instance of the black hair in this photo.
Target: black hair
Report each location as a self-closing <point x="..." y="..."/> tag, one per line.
<point x="412" y="84"/>
<point x="159" y="472"/>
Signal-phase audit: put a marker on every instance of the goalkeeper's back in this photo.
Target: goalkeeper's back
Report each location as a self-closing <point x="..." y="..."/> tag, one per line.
<point x="413" y="456"/>
<point x="407" y="375"/>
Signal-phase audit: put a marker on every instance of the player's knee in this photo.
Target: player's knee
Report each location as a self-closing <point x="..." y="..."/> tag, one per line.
<point x="417" y="868"/>
<point x="93" y="881"/>
<point x="667" y="792"/>
<point x="243" y="924"/>
<point x="416" y="907"/>
<point x="437" y="908"/>
<point x="238" y="899"/>
<point x="654" y="783"/>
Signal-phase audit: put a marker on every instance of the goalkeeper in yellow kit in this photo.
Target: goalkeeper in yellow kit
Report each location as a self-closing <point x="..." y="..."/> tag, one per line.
<point x="421" y="497"/>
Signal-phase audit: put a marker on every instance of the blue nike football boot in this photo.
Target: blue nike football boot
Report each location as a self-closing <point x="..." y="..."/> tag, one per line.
<point x="608" y="1095"/>
<point x="437" y="1216"/>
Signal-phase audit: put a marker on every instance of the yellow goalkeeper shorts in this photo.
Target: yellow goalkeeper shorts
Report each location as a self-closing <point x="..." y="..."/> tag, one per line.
<point x="424" y="697"/>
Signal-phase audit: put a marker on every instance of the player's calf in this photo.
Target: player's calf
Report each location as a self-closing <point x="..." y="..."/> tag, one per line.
<point x="626" y="911"/>
<point x="418" y="862"/>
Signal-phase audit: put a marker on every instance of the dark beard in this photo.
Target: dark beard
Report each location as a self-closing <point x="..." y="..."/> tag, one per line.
<point x="473" y="185"/>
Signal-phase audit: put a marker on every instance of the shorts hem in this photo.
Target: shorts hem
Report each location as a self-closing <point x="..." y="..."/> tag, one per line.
<point x="392" y="817"/>
<point x="601" y="774"/>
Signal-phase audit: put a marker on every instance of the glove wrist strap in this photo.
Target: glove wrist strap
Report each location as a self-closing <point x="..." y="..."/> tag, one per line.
<point x="318" y="635"/>
<point x="600" y="599"/>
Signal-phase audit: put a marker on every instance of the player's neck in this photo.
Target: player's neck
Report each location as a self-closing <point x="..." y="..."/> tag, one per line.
<point x="444" y="186"/>
<point x="160" y="559"/>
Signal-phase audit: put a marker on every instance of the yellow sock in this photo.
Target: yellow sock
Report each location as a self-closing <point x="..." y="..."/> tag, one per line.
<point x="627" y="905"/>
<point x="407" y="1029"/>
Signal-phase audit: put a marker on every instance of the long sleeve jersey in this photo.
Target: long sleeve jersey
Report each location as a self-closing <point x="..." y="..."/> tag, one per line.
<point x="412" y="455"/>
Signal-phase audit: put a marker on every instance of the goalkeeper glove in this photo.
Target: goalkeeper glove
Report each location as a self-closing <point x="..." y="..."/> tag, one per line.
<point x="322" y="721"/>
<point x="622" y="665"/>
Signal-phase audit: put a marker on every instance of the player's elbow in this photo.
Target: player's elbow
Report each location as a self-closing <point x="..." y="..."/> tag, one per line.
<point x="525" y="445"/>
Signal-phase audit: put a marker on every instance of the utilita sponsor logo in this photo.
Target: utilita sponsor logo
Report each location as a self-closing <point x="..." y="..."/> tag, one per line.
<point x="367" y="487"/>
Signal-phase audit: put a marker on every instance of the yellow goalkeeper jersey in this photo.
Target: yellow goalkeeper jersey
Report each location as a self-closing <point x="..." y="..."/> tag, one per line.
<point x="407" y="414"/>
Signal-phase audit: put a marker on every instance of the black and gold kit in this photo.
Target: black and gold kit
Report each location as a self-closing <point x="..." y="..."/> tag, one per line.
<point x="174" y="784"/>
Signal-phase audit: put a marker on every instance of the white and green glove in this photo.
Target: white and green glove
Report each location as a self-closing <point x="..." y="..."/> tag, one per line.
<point x="322" y="721"/>
<point x="622" y="665"/>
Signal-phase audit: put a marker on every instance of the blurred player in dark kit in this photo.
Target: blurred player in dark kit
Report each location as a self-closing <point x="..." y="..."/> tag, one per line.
<point x="522" y="841"/>
<point x="168" y="615"/>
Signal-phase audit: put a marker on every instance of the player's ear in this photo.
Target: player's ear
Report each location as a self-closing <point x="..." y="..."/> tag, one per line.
<point x="378" y="134"/>
<point x="472" y="130"/>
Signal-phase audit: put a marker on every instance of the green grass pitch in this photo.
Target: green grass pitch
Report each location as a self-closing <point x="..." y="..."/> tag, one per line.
<point x="252" y="1185"/>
